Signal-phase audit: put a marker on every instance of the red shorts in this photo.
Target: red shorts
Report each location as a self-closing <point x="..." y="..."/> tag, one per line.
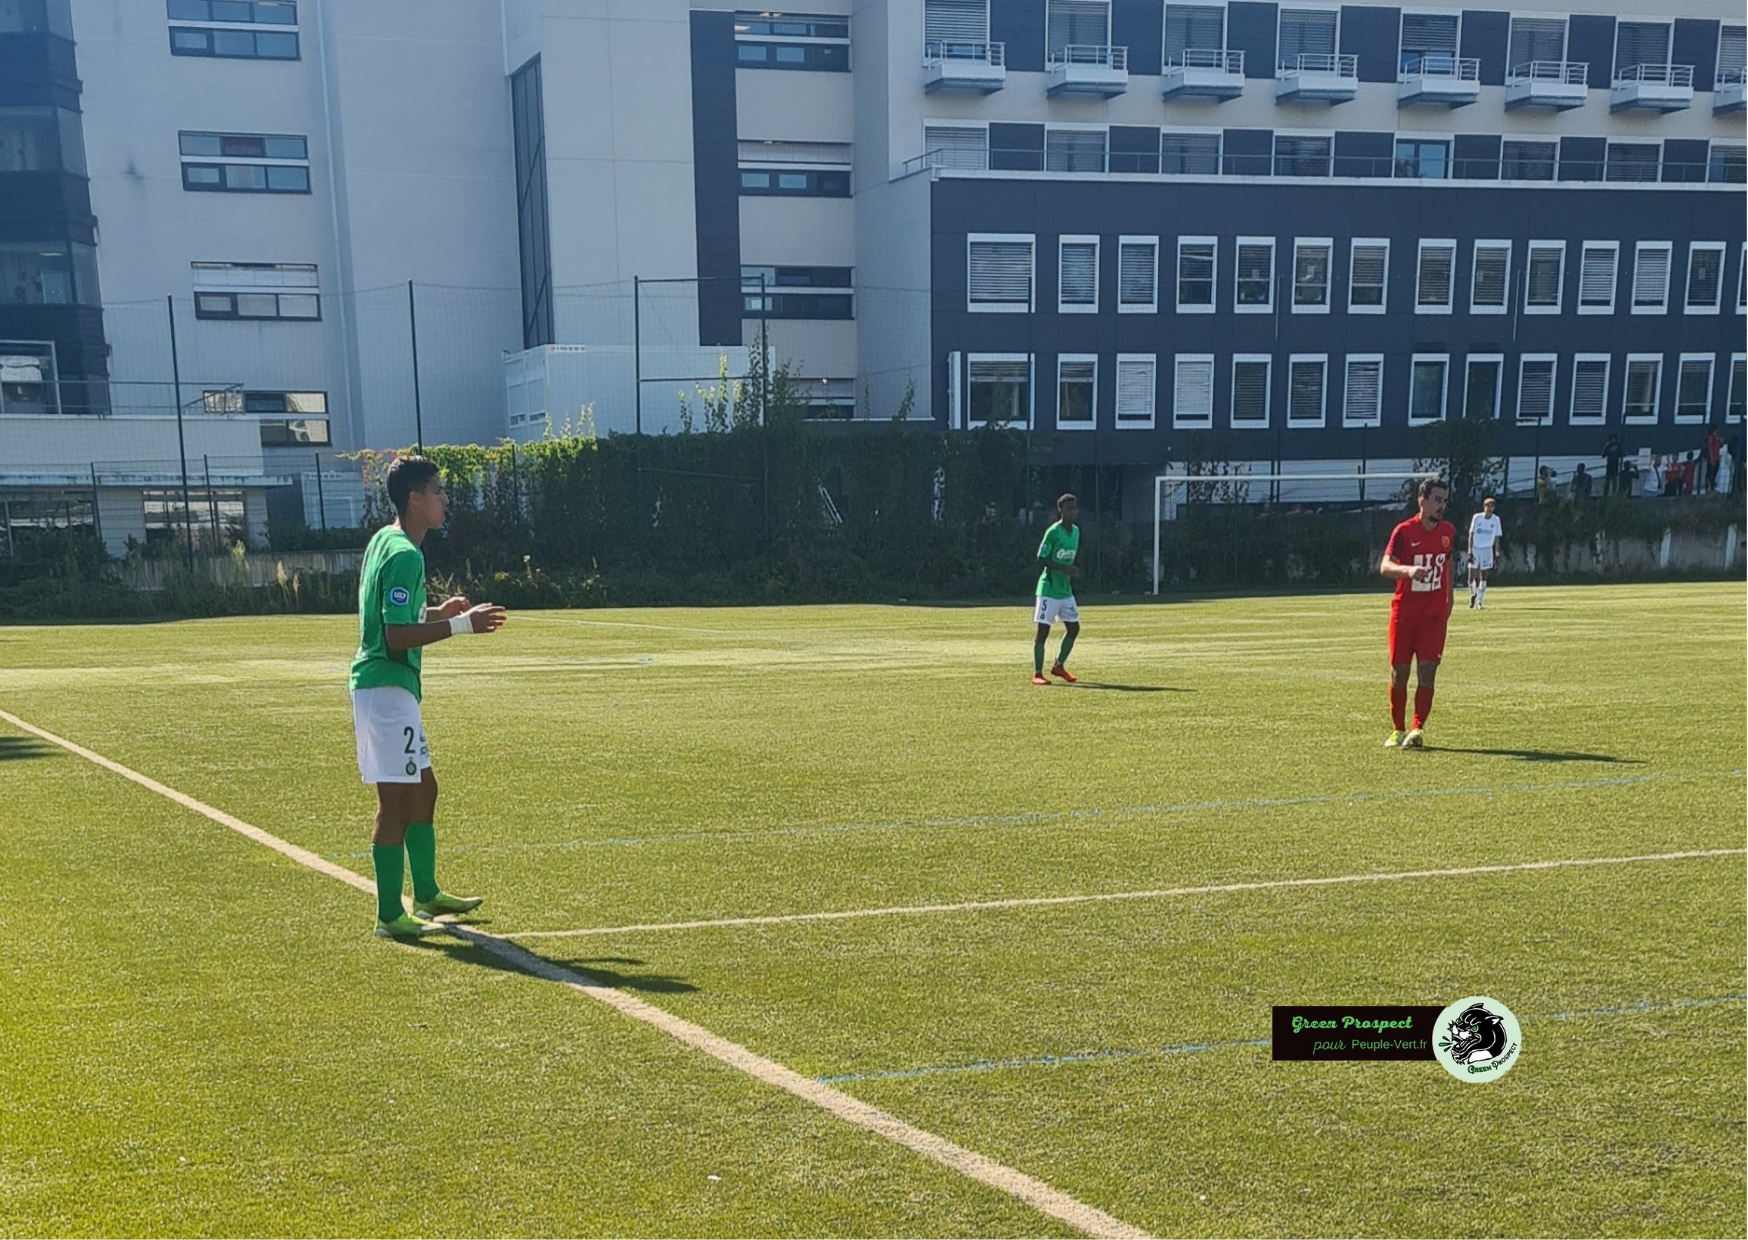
<point x="1417" y="635"/>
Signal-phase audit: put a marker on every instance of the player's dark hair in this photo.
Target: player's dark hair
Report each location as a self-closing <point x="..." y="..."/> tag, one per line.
<point x="1429" y="485"/>
<point x="407" y="474"/>
<point x="1067" y="498"/>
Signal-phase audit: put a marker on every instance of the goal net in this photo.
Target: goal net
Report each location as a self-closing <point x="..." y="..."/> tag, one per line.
<point x="1284" y="492"/>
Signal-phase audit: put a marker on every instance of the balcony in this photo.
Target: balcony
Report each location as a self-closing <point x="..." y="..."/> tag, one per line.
<point x="1652" y="88"/>
<point x="1087" y="70"/>
<point x="1556" y="84"/>
<point x="1440" y="78"/>
<point x="1318" y="76"/>
<point x="1204" y="74"/>
<point x="956" y="66"/>
<point x="1727" y="92"/>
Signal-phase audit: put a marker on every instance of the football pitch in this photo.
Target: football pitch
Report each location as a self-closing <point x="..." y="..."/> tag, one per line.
<point x="1058" y="920"/>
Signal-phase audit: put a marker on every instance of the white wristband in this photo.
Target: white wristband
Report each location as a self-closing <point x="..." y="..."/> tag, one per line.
<point x="460" y="624"/>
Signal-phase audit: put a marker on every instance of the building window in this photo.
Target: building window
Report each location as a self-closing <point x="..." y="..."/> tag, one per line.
<point x="226" y="43"/>
<point x="245" y="163"/>
<point x="1535" y="39"/>
<point x="1306" y="33"/>
<point x="1193" y="28"/>
<point x="1189" y="154"/>
<point x="1307" y="383"/>
<point x="533" y="233"/>
<point x="236" y="12"/>
<point x="769" y="25"/>
<point x="41" y="139"/>
<point x="1427" y="159"/>
<point x="794" y="183"/>
<point x="1632" y="161"/>
<point x="1705" y="277"/>
<point x="1432" y="293"/>
<point x="1369" y="267"/>
<point x="213" y="516"/>
<point x="1742" y="281"/>
<point x="256" y="306"/>
<point x="235" y="400"/>
<point x="1076" y="23"/>
<point x="1297" y="156"/>
<point x="957" y="146"/>
<point x="1482" y="375"/>
<point x="1135" y="389"/>
<point x="1640" y="43"/>
<point x="1535" y="389"/>
<point x="1311" y="274"/>
<point x="1078" y="271"/>
<point x="1195" y="274"/>
<point x="1429" y="41"/>
<point x="1192" y="404"/>
<point x="1363" y="397"/>
<point x="1651" y="277"/>
<point x="1738" y="387"/>
<point x="1492" y="278"/>
<point x="266" y="291"/>
<point x="1644" y="386"/>
<point x="1137" y="275"/>
<point x="1693" y="387"/>
<point x="1727" y="163"/>
<point x="999" y="273"/>
<point x="1596" y="276"/>
<point x="1074" y="150"/>
<point x="961" y="23"/>
<point x="796" y="293"/>
<point x="1255" y="276"/>
<point x="1077" y="386"/>
<point x="1250" y="391"/>
<point x="1001" y="388"/>
<point x="1541" y="287"/>
<point x="1589" y="389"/>
<point x="1528" y="161"/>
<point x="768" y="40"/>
<point x="296" y="433"/>
<point x="1732" y="56"/>
<point x="48" y="273"/>
<point x="1426" y="388"/>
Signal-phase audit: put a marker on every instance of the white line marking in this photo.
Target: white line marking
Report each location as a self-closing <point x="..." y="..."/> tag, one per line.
<point x="1163" y="893"/>
<point x="1017" y="1184"/>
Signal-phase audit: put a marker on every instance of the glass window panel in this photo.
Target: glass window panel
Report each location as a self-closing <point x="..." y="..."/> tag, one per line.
<point x="1704" y="276"/>
<point x="245" y="176"/>
<point x="1492" y="268"/>
<point x="306" y="402"/>
<point x="241" y="146"/>
<point x="201" y="174"/>
<point x="1195" y="274"/>
<point x="1305" y="391"/>
<point x="233" y="43"/>
<point x="1311" y="275"/>
<point x="1193" y="27"/>
<point x="275" y="12"/>
<point x="286" y="147"/>
<point x="291" y="180"/>
<point x="232" y="11"/>
<point x="257" y="306"/>
<point x="1196" y="154"/>
<point x="1366" y="283"/>
<point x="1536" y="38"/>
<point x="1255" y="275"/>
<point x="189" y="41"/>
<point x="29" y="139"/>
<point x="1528" y="161"/>
<point x="34" y="274"/>
<point x="1426" y="391"/>
<point x="214" y="304"/>
<point x="189" y="10"/>
<point x="273" y="46"/>
<point x="200" y="144"/>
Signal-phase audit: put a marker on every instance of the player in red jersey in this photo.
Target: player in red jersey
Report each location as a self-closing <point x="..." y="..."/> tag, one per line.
<point x="1418" y="559"/>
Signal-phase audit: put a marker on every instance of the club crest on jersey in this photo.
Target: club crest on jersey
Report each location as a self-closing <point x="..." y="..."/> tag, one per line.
<point x="399" y="596"/>
<point x="1445" y="541"/>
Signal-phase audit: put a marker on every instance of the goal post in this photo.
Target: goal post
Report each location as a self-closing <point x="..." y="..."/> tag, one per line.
<point x="1237" y="488"/>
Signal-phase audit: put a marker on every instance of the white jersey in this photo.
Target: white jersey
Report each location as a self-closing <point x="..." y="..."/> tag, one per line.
<point x="1484" y="531"/>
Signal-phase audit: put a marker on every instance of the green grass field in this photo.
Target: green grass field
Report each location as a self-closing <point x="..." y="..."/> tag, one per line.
<point x="201" y="1037"/>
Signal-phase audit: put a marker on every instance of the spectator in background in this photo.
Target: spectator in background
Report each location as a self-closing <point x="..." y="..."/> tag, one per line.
<point x="1672" y="473"/>
<point x="1580" y="482"/>
<point x="1714" y="445"/>
<point x="1692" y="471"/>
<point x="1653" y="479"/>
<point x="1611" y="465"/>
<point x="1545" y="493"/>
<point x="1740" y="471"/>
<point x="1629" y="481"/>
<point x="1727" y="470"/>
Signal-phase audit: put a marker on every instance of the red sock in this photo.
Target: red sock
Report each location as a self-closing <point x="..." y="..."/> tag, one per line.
<point x="1398" y="705"/>
<point x="1422" y="704"/>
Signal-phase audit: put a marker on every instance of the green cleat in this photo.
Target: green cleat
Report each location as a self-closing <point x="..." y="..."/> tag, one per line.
<point x="405" y="926"/>
<point x="1394" y="740"/>
<point x="445" y="904"/>
<point x="1416" y="739"/>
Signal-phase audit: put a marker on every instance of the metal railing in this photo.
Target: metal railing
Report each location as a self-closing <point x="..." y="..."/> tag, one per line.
<point x="1444" y="65"/>
<point x="1207" y="58"/>
<point x="1730" y="77"/>
<point x="1555" y="72"/>
<point x="1091" y="55"/>
<point x="949" y="51"/>
<point x="1657" y="75"/>
<point x="1340" y="64"/>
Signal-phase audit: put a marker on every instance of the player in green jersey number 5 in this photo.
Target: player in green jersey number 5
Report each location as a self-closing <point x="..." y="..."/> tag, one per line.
<point x="393" y="626"/>
<point x="1056" y="591"/>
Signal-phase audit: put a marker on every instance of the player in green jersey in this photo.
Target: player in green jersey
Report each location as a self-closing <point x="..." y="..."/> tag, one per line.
<point x="393" y="626"/>
<point x="1056" y="591"/>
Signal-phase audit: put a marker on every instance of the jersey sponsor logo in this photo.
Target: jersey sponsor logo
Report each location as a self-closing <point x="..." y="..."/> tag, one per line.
<point x="399" y="596"/>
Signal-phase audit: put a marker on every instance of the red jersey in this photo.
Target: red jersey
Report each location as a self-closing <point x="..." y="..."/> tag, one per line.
<point x="1412" y="543"/>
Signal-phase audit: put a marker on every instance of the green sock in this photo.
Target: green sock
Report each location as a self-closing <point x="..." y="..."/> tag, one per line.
<point x="1038" y="658"/>
<point x="1062" y="651"/>
<point x="422" y="859"/>
<point x="388" y="861"/>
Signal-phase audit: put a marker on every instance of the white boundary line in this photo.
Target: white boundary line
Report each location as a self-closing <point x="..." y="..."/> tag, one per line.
<point x="972" y="906"/>
<point x="1033" y="1192"/>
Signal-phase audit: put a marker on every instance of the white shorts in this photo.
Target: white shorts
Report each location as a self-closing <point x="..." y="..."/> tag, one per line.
<point x="1050" y="610"/>
<point x="1483" y="557"/>
<point x="391" y="738"/>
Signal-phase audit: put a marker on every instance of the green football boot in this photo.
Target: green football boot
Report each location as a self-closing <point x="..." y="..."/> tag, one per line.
<point x="444" y="904"/>
<point x="1416" y="739"/>
<point x="1394" y="740"/>
<point x="406" y="926"/>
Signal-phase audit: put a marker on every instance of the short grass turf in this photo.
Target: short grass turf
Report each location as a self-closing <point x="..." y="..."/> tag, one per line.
<point x="202" y="1038"/>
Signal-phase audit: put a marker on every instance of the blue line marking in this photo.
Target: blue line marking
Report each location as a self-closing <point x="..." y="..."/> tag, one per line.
<point x="1048" y="1061"/>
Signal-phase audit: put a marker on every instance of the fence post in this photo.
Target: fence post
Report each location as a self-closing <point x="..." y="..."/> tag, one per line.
<point x="96" y="510"/>
<point x="181" y="441"/>
<point x="211" y="499"/>
<point x="418" y="410"/>
<point x="321" y="499"/>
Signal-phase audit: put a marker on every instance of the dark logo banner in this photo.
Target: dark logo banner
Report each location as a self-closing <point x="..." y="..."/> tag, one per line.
<point x="1399" y="1032"/>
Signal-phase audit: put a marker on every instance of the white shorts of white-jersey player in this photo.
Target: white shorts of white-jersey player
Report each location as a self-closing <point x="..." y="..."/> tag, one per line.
<point x="1485" y="535"/>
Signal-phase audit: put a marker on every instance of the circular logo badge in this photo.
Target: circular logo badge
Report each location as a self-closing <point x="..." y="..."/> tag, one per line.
<point x="412" y="767"/>
<point x="1476" y="1039"/>
<point x="399" y="596"/>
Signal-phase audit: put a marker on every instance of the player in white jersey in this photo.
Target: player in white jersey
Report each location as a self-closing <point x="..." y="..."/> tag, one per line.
<point x="1485" y="535"/>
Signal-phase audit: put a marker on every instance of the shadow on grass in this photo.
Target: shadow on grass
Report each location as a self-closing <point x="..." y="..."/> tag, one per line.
<point x="18" y="748"/>
<point x="466" y="951"/>
<point x="1540" y="755"/>
<point x="649" y="983"/>
<point x="1093" y="684"/>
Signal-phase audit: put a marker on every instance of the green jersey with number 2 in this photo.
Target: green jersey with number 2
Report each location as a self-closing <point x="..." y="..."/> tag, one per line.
<point x="391" y="590"/>
<point x="1059" y="548"/>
